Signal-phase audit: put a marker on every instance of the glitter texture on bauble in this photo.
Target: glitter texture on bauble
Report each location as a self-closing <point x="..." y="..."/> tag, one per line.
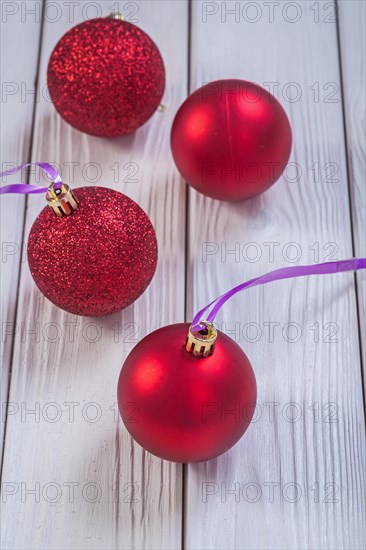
<point x="99" y="259"/>
<point x="106" y="77"/>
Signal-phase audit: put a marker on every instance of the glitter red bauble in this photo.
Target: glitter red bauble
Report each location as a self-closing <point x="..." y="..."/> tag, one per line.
<point x="97" y="260"/>
<point x="231" y="139"/>
<point x="106" y="77"/>
<point x="185" y="408"/>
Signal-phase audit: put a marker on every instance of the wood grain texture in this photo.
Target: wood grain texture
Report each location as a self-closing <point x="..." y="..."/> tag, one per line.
<point x="72" y="477"/>
<point x="17" y="103"/>
<point x="68" y="369"/>
<point x="352" y="30"/>
<point x="294" y="484"/>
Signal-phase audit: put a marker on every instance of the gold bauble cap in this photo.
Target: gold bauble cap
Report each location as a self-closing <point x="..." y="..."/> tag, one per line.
<point x="201" y="342"/>
<point x="61" y="200"/>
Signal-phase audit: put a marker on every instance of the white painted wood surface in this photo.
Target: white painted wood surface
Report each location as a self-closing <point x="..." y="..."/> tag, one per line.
<point x="278" y="460"/>
<point x="17" y="104"/>
<point x="352" y="29"/>
<point x="320" y="458"/>
<point x="98" y="457"/>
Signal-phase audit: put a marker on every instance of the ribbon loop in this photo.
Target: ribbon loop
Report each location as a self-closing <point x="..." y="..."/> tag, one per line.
<point x="25" y="188"/>
<point x="282" y="273"/>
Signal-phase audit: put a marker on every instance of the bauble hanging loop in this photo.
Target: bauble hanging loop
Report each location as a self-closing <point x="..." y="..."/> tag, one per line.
<point x="117" y="16"/>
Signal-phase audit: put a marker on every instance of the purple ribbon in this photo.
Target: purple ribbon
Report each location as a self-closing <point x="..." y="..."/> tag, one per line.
<point x="25" y="188"/>
<point x="278" y="274"/>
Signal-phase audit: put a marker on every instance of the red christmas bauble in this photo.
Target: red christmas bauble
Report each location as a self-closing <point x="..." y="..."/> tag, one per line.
<point x="184" y="408"/>
<point x="97" y="260"/>
<point x="106" y="77"/>
<point x="231" y="139"/>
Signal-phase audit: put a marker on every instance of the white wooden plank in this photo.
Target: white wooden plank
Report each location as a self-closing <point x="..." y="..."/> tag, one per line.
<point x="320" y="462"/>
<point x="18" y="75"/>
<point x="147" y="511"/>
<point x="352" y="30"/>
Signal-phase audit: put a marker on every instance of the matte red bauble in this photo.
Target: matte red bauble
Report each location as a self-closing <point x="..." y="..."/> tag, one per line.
<point x="98" y="258"/>
<point x="231" y="140"/>
<point x="182" y="407"/>
<point x="106" y="77"/>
